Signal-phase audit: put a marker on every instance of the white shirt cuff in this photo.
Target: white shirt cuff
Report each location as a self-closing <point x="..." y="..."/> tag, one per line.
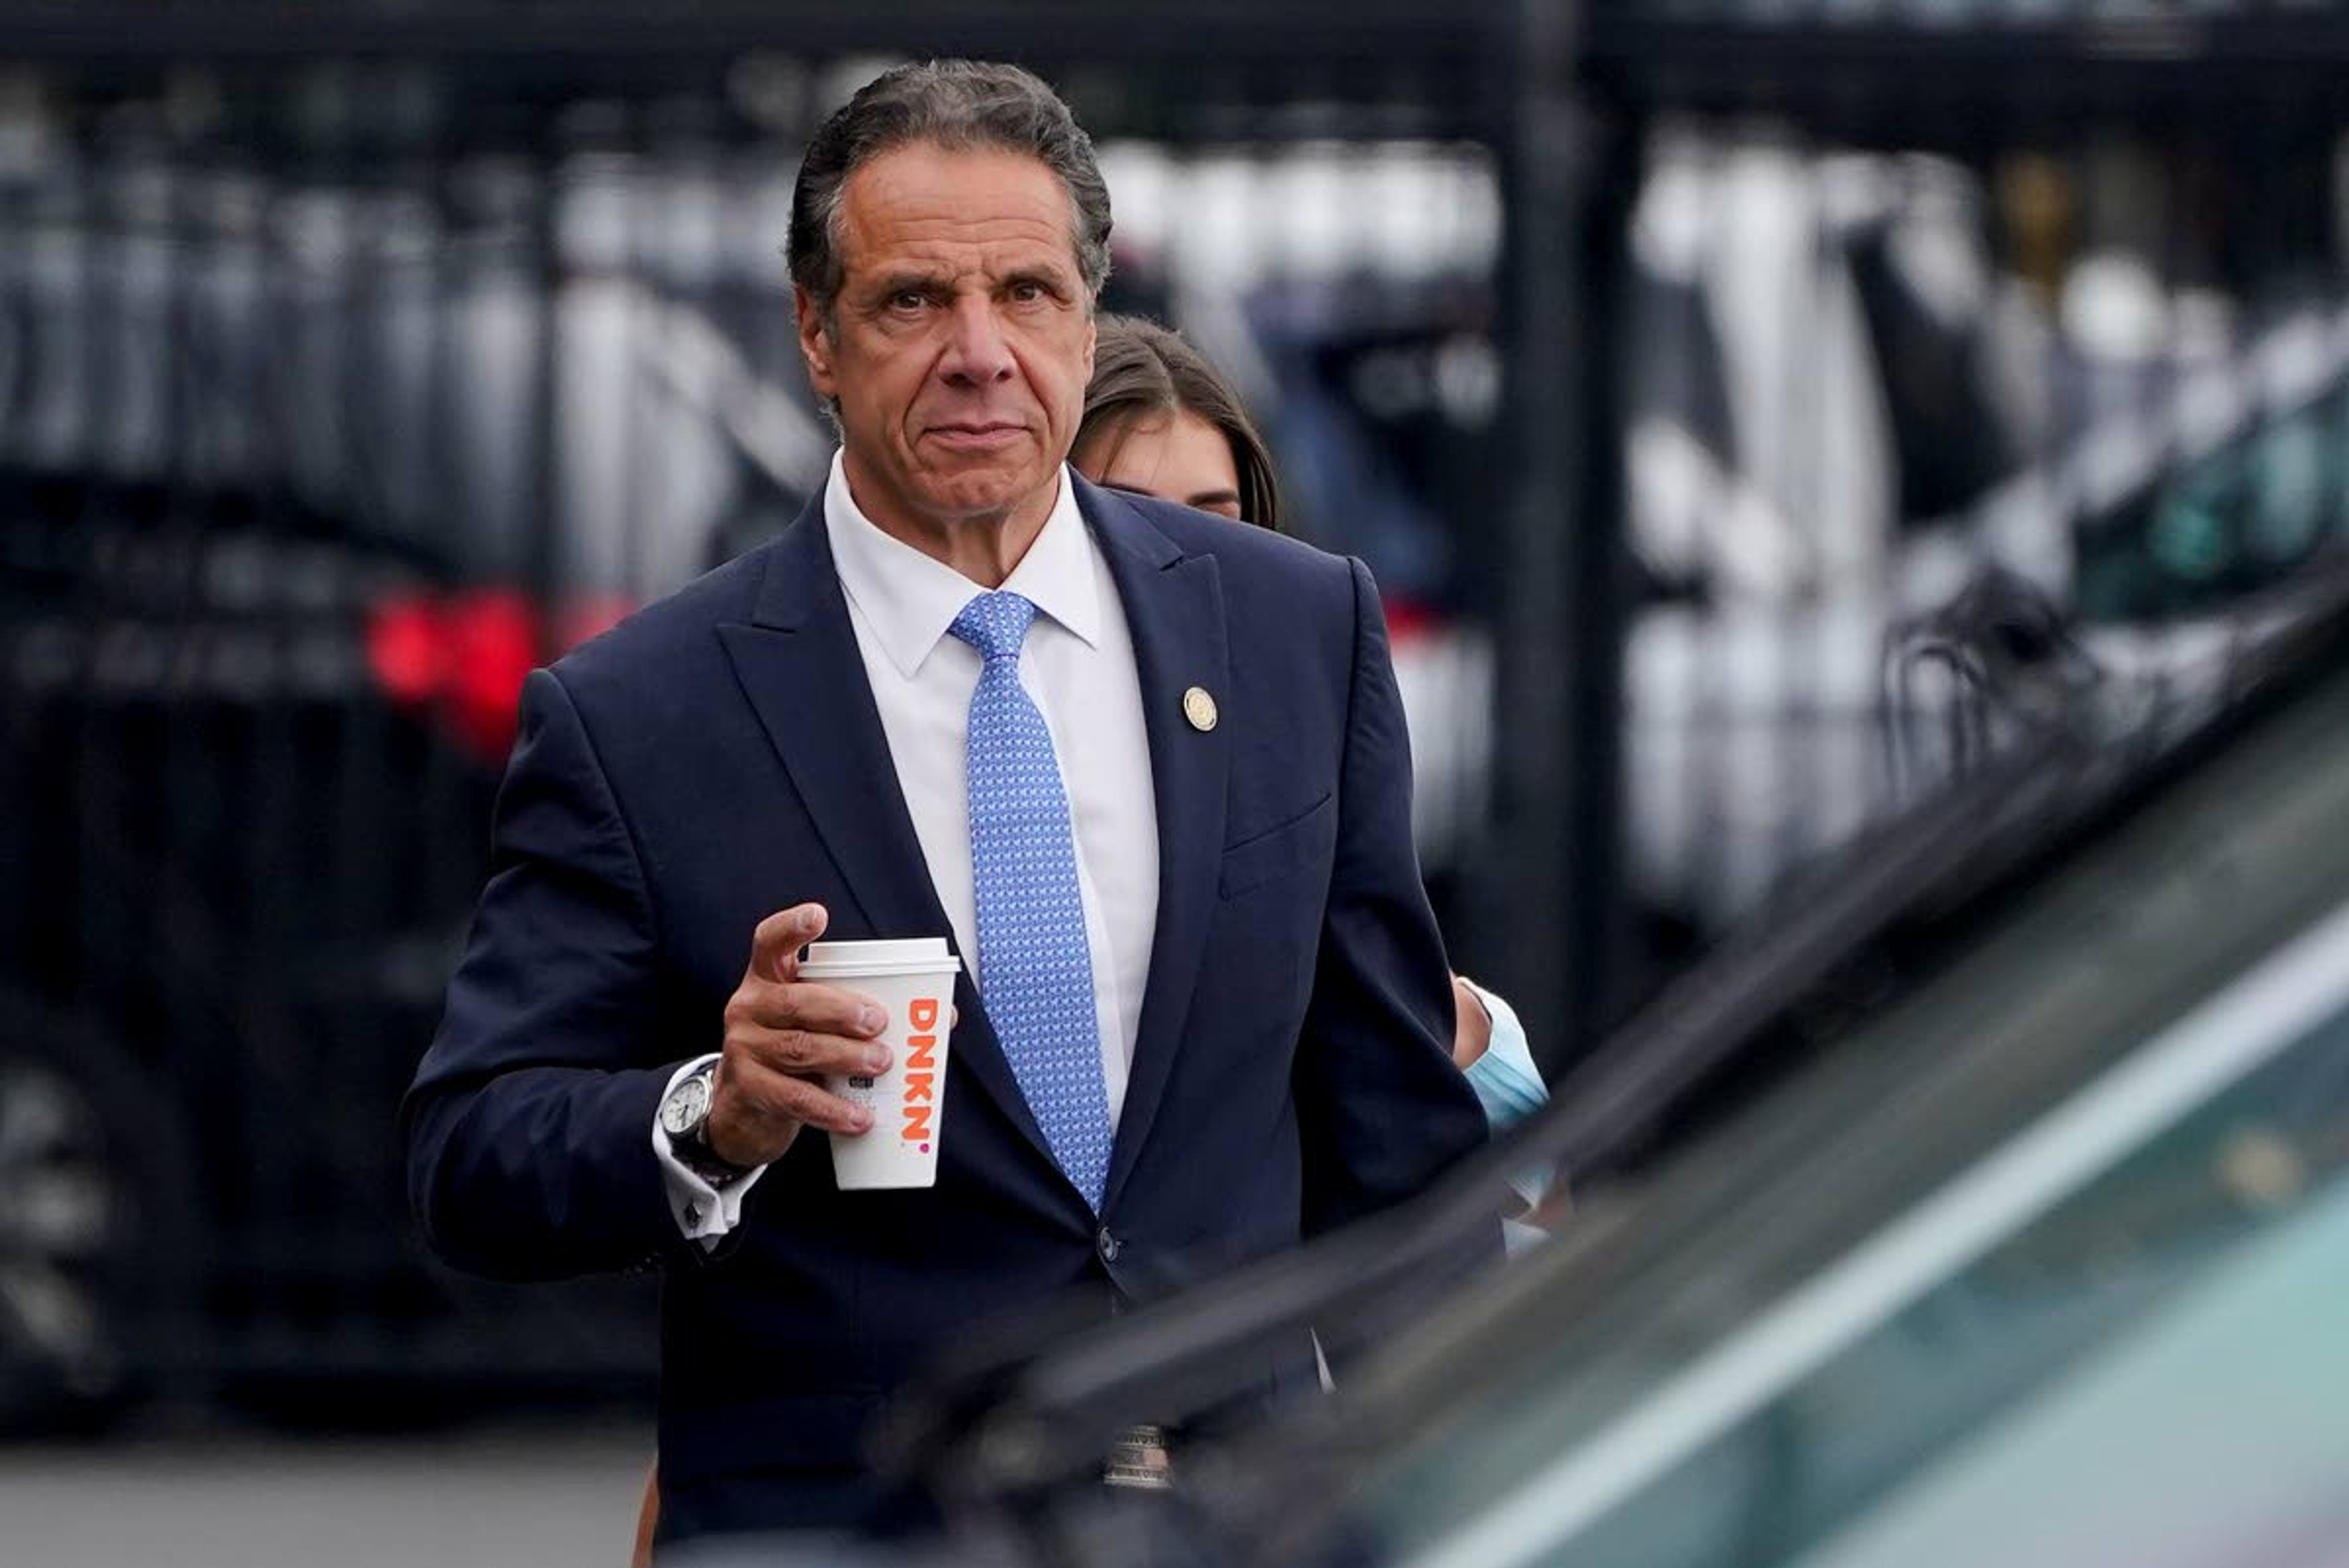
<point x="705" y="1214"/>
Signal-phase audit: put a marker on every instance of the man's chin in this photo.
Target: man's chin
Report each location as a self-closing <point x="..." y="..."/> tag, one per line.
<point x="985" y="497"/>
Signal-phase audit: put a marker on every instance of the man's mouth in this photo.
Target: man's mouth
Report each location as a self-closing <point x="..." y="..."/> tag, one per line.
<point x="976" y="435"/>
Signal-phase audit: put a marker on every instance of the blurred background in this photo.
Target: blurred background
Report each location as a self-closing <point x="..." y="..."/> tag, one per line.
<point x="1681" y="369"/>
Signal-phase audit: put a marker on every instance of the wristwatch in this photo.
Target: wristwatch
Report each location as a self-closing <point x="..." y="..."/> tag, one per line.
<point x="685" y="1119"/>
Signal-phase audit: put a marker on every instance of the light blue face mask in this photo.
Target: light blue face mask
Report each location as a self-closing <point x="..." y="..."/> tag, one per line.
<point x="1504" y="1077"/>
<point x="1510" y="1088"/>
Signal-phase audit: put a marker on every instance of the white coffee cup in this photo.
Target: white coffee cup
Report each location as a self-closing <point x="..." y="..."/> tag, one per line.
<point x="913" y="980"/>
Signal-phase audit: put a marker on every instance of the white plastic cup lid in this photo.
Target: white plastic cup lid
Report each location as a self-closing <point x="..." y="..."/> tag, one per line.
<point x="922" y="954"/>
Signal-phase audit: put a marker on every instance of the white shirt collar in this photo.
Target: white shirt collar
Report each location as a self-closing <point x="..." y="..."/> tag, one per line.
<point x="909" y="599"/>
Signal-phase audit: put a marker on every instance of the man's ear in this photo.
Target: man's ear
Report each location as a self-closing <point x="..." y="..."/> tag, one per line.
<point x="815" y="343"/>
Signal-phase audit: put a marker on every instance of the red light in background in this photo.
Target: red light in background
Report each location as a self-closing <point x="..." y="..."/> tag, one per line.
<point x="493" y="645"/>
<point x="1409" y="620"/>
<point x="403" y="644"/>
<point x="466" y="654"/>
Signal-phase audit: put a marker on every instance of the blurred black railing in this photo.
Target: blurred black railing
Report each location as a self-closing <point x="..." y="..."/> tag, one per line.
<point x="1662" y="360"/>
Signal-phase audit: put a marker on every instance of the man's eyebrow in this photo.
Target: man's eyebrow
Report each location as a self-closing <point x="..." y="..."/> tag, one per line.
<point x="907" y="281"/>
<point x="1051" y="276"/>
<point x="1206" y="498"/>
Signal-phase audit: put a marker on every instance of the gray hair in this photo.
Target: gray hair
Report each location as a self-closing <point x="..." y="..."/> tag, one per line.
<point x="959" y="105"/>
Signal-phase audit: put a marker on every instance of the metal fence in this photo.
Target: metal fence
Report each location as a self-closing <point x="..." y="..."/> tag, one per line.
<point x="336" y="391"/>
<point x="1861" y="381"/>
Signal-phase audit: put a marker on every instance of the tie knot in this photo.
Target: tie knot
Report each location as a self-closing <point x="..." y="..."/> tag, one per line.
<point x="995" y="624"/>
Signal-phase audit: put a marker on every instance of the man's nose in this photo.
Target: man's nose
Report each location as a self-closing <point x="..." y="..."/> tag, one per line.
<point x="977" y="352"/>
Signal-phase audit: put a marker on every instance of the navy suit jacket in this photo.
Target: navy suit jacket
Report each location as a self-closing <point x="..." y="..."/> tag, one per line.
<point x="718" y="757"/>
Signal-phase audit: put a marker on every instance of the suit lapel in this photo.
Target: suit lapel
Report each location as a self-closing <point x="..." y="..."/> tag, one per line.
<point x="1174" y="608"/>
<point x="799" y="667"/>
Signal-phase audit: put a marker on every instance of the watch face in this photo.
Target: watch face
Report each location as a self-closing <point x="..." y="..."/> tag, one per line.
<point x="685" y="1106"/>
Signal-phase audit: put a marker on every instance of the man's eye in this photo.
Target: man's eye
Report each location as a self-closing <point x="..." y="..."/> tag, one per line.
<point x="1027" y="293"/>
<point x="909" y="299"/>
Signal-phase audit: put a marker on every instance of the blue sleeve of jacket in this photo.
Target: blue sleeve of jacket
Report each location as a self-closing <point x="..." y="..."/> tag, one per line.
<point x="528" y="1127"/>
<point x="1381" y="1106"/>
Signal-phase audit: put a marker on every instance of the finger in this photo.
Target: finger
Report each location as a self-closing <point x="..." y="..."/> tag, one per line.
<point x="807" y="1004"/>
<point x="774" y="1100"/>
<point x="1472" y="1025"/>
<point x="806" y="1052"/>
<point x="775" y="945"/>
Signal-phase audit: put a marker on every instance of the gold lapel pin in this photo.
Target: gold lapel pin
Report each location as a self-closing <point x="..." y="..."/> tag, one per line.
<point x="1200" y="709"/>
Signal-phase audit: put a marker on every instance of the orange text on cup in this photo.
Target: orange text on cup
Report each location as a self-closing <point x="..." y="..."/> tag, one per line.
<point x="921" y="1070"/>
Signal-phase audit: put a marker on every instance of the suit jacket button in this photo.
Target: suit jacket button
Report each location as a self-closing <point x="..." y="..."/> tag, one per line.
<point x="1108" y="1246"/>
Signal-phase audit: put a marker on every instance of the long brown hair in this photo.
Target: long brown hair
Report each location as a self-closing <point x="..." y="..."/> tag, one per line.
<point x="1142" y="371"/>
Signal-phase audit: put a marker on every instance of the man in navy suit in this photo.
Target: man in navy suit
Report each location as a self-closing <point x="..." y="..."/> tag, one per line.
<point x="1148" y="772"/>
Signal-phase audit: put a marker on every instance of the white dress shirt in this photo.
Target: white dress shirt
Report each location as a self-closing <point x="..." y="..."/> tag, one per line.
<point x="1077" y="666"/>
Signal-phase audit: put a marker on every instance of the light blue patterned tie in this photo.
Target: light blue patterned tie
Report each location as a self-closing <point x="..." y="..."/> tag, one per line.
<point x="1035" y="968"/>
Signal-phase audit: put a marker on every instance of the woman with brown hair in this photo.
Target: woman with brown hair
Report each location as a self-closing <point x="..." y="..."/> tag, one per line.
<point x="1160" y="420"/>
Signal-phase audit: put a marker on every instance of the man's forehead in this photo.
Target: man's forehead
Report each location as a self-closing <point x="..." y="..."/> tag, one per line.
<point x="958" y="263"/>
<point x="957" y="209"/>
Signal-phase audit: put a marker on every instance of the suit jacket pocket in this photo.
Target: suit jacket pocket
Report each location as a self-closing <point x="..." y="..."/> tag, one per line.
<point x="1277" y="851"/>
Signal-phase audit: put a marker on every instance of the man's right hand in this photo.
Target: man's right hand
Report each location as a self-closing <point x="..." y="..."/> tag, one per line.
<point x="783" y="1035"/>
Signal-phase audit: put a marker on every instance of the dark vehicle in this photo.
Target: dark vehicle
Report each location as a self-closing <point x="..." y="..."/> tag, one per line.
<point x="288" y="509"/>
<point x="246" y="761"/>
